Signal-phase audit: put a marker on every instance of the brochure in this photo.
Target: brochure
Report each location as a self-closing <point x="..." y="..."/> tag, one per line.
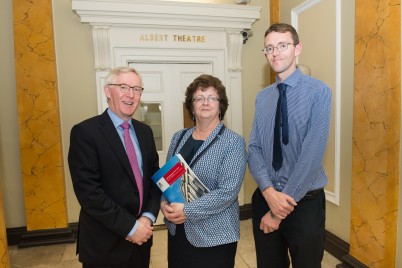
<point x="178" y="182"/>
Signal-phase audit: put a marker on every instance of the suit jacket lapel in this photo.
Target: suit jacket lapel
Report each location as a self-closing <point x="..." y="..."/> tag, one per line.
<point x="110" y="133"/>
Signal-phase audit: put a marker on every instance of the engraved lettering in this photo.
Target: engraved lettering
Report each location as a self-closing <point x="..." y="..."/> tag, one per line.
<point x="182" y="38"/>
<point x="154" y="37"/>
<point x="189" y="38"/>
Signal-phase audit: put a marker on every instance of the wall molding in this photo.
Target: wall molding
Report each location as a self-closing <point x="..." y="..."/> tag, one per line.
<point x="153" y="16"/>
<point x="151" y="13"/>
<point x="331" y="196"/>
<point x="22" y="238"/>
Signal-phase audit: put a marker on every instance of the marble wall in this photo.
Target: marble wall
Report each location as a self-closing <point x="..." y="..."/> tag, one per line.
<point x="38" y="116"/>
<point x="4" y="257"/>
<point x="376" y="132"/>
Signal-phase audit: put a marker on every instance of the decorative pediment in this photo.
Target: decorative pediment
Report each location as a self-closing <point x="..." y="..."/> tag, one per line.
<point x="171" y="14"/>
<point x="233" y="21"/>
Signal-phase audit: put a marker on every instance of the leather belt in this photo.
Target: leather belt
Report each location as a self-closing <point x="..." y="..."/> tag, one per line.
<point x="312" y="194"/>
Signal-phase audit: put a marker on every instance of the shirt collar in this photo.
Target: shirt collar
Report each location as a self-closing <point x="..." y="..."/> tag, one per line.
<point x="292" y="79"/>
<point x="117" y="121"/>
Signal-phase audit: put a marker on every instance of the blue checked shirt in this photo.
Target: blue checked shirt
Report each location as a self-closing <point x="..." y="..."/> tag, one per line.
<point x="309" y="115"/>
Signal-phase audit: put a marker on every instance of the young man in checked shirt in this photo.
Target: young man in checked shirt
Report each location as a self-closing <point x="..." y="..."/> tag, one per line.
<point x="289" y="203"/>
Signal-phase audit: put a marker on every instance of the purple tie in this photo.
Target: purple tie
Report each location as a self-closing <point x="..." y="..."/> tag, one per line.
<point x="133" y="159"/>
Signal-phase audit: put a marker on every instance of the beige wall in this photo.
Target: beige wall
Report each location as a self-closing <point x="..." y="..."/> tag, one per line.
<point x="77" y="93"/>
<point x="255" y="76"/>
<point x="316" y="58"/>
<point x="76" y="81"/>
<point x="10" y="168"/>
<point x="338" y="216"/>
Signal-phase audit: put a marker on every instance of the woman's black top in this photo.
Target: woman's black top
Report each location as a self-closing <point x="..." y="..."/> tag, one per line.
<point x="190" y="148"/>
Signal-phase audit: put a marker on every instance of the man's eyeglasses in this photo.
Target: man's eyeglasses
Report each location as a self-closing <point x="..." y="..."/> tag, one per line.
<point x="201" y="99"/>
<point x="280" y="47"/>
<point x="124" y="88"/>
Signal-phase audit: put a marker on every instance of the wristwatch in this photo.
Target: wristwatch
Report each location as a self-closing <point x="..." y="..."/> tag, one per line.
<point x="272" y="215"/>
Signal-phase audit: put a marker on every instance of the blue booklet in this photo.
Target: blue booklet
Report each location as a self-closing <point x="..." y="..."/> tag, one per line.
<point x="178" y="182"/>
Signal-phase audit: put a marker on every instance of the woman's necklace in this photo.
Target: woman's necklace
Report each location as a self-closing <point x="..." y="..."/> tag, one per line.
<point x="203" y="134"/>
<point x="199" y="135"/>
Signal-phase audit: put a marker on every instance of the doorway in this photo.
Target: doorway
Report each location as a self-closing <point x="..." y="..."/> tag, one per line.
<point x="162" y="102"/>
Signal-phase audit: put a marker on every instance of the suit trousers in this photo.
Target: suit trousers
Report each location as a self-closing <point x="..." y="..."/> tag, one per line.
<point x="301" y="234"/>
<point x="140" y="258"/>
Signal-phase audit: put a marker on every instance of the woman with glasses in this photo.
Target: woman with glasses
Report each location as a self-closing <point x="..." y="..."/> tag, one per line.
<point x="204" y="232"/>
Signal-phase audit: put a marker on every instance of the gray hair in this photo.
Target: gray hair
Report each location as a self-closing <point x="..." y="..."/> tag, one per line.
<point x="120" y="70"/>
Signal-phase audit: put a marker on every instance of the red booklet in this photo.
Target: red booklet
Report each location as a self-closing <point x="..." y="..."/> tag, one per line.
<point x="178" y="182"/>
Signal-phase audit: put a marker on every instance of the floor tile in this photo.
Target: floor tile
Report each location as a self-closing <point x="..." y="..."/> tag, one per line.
<point x="159" y="261"/>
<point x="63" y="255"/>
<point x="43" y="256"/>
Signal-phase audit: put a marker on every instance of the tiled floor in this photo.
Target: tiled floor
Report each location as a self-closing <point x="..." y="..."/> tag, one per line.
<point x="63" y="255"/>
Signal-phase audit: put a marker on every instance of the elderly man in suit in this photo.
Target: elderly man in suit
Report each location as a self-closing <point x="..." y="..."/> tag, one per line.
<point x="111" y="158"/>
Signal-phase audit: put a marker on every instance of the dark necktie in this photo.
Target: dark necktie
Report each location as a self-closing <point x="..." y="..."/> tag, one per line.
<point x="133" y="159"/>
<point x="281" y="120"/>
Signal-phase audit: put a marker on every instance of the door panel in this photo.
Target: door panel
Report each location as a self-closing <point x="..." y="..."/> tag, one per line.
<point x="162" y="101"/>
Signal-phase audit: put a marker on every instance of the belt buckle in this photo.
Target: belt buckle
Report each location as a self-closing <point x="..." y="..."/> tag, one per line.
<point x="312" y="193"/>
<point x="308" y="195"/>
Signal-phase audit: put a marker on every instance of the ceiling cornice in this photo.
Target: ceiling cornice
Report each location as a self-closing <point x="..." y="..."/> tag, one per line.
<point x="165" y="14"/>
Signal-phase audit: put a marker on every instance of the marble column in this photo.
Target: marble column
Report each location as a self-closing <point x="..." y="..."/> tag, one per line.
<point x="38" y="116"/>
<point x="376" y="132"/>
<point x="274" y="11"/>
<point x="274" y="17"/>
<point x="4" y="257"/>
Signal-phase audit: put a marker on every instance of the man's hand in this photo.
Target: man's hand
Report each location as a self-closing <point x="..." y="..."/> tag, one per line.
<point x="143" y="232"/>
<point x="173" y="212"/>
<point x="279" y="203"/>
<point x="269" y="223"/>
<point x="145" y="220"/>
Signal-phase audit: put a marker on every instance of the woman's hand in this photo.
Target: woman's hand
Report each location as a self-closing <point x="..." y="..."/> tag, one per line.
<point x="173" y="212"/>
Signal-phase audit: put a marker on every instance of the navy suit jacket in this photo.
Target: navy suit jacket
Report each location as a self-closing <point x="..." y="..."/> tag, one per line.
<point x="105" y="187"/>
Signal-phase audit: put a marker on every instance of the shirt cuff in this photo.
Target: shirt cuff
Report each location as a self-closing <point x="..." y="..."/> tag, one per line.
<point x="134" y="229"/>
<point x="149" y="215"/>
<point x="265" y="185"/>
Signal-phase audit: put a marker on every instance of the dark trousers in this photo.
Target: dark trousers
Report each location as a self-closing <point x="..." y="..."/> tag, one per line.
<point x="182" y="254"/>
<point x="140" y="258"/>
<point x="301" y="234"/>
